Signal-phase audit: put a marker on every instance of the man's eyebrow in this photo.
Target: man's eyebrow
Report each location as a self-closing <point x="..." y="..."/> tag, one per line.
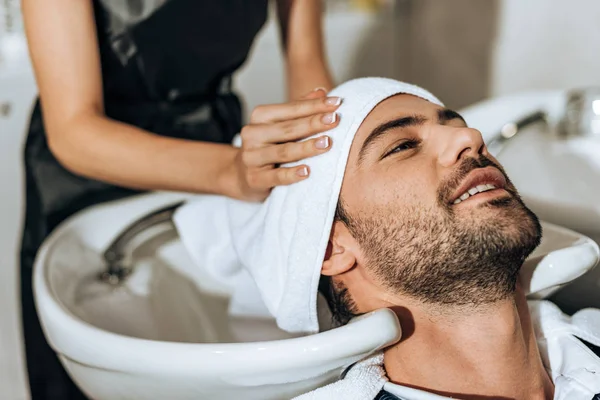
<point x="444" y="115"/>
<point x="404" y="122"/>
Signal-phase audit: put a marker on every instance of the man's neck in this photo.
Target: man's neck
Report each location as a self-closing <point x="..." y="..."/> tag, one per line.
<point x="484" y="353"/>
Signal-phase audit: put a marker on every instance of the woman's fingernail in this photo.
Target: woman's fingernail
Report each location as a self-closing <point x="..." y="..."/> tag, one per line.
<point x="333" y="101"/>
<point x="322" y="142"/>
<point x="329" y="119"/>
<point x="320" y="88"/>
<point x="302" y="171"/>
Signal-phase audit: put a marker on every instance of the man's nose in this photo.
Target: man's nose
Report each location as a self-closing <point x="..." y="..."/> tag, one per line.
<point x="458" y="143"/>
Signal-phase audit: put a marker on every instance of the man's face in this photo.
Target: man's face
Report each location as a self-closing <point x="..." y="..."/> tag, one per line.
<point x="433" y="213"/>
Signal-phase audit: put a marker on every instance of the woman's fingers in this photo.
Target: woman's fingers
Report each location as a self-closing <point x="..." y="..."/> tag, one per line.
<point x="300" y="128"/>
<point x="286" y="152"/>
<point x="269" y="178"/>
<point x="272" y="113"/>
<point x="254" y="136"/>
<point x="315" y="94"/>
<point x="275" y="136"/>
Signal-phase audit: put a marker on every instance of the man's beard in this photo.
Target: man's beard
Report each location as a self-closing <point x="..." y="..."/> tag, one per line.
<point x="439" y="258"/>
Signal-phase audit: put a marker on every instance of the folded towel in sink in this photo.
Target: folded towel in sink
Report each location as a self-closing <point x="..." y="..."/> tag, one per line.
<point x="271" y="253"/>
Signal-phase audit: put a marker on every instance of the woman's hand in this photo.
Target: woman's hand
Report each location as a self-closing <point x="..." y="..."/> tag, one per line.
<point x="273" y="137"/>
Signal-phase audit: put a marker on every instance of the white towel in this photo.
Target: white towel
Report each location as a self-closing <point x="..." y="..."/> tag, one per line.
<point x="363" y="381"/>
<point x="272" y="252"/>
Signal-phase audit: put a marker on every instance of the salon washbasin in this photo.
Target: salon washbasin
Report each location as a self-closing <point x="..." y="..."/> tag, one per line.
<point x="557" y="174"/>
<point x="164" y="332"/>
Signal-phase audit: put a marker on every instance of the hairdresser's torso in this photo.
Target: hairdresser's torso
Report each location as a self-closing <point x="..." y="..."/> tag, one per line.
<point x="172" y="52"/>
<point x="166" y="68"/>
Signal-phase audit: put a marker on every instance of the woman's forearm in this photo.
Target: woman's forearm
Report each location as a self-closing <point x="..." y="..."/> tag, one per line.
<point x="103" y="149"/>
<point x="302" y="39"/>
<point x="64" y="51"/>
<point x="306" y="75"/>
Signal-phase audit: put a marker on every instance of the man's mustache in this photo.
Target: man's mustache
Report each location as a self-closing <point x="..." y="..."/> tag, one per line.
<point x="469" y="164"/>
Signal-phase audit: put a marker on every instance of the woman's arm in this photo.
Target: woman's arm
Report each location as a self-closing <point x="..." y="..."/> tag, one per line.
<point x="64" y="51"/>
<point x="302" y="38"/>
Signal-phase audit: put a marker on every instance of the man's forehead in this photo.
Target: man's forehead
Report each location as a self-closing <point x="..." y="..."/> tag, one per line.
<point x="398" y="106"/>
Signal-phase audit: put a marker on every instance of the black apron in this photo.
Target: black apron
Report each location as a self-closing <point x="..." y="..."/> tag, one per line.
<point x="166" y="68"/>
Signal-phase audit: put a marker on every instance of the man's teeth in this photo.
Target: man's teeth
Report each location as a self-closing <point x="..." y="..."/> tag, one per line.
<point x="473" y="191"/>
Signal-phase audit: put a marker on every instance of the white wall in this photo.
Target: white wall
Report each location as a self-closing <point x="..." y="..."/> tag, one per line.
<point x="353" y="41"/>
<point x="17" y="91"/>
<point x="546" y="44"/>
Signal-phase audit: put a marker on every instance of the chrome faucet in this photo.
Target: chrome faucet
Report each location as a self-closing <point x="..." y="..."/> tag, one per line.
<point x="582" y="113"/>
<point x="511" y="129"/>
<point x="117" y="255"/>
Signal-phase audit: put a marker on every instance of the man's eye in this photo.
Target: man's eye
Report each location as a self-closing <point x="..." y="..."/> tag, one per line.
<point x="406" y="145"/>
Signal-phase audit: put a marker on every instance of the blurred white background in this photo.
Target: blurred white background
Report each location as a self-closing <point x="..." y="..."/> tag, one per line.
<point x="462" y="50"/>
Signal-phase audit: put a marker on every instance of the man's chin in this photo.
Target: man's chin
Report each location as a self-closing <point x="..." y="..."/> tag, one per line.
<point x="509" y="222"/>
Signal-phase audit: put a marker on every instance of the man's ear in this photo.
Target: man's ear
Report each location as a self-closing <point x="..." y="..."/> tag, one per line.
<point x="341" y="254"/>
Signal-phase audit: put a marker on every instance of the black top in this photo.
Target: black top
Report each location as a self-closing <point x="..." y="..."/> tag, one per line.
<point x="383" y="395"/>
<point x="166" y="67"/>
<point x="173" y="50"/>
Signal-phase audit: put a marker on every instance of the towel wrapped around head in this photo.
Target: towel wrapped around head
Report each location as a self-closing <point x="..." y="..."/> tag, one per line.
<point x="272" y="252"/>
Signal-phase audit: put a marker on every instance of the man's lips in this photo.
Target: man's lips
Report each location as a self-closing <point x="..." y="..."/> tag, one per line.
<point x="479" y="177"/>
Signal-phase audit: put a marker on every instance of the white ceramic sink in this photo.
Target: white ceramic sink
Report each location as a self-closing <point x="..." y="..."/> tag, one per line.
<point x="558" y="177"/>
<point x="165" y="333"/>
